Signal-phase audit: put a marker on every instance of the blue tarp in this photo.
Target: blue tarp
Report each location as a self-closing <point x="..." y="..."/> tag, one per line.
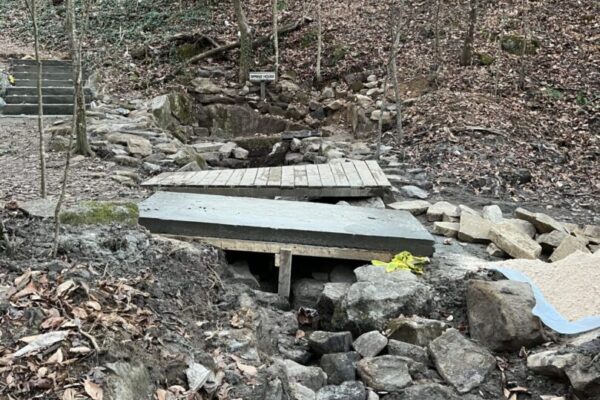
<point x="548" y="314"/>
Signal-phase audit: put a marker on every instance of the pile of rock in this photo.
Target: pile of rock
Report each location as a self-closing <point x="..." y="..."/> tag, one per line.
<point x="527" y="235"/>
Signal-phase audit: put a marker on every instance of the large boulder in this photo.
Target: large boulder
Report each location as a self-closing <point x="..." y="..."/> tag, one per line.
<point x="372" y="273"/>
<point x="500" y="315"/>
<point x="474" y="229"/>
<point x="368" y="306"/>
<point x="340" y="367"/>
<point x="408" y="350"/>
<point x="329" y="300"/>
<point x="462" y="363"/>
<point x="568" y="246"/>
<point x="173" y="110"/>
<point x="542" y="222"/>
<point x="385" y="373"/>
<point x="307" y="292"/>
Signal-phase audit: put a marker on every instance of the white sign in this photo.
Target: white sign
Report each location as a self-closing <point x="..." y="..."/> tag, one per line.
<point x="262" y="76"/>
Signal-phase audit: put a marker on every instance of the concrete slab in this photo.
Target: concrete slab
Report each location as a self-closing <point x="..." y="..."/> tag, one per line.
<point x="284" y="222"/>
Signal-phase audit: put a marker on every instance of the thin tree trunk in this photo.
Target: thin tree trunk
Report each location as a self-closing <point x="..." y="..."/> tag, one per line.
<point x="33" y="10"/>
<point x="82" y="145"/>
<point x="393" y="68"/>
<point x="245" y="42"/>
<point x="436" y="44"/>
<point x="319" y="40"/>
<point x="4" y="237"/>
<point x="467" y="53"/>
<point x="523" y="70"/>
<point x="275" y="37"/>
<point x="380" y="122"/>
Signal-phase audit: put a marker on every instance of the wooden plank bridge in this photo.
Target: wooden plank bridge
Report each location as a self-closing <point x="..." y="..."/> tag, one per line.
<point x="341" y="179"/>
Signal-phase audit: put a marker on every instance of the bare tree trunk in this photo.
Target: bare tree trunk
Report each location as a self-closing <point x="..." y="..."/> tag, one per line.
<point x="33" y="10"/>
<point x="319" y="40"/>
<point x="523" y="69"/>
<point x="467" y="52"/>
<point x="396" y="25"/>
<point x="436" y="44"/>
<point x="276" y="37"/>
<point x="82" y="145"/>
<point x="245" y="42"/>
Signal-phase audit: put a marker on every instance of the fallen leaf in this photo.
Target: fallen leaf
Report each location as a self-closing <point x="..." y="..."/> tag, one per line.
<point x="56" y="358"/>
<point x="94" y="305"/>
<point x="65" y="287"/>
<point x="80" y="313"/>
<point x="69" y="394"/>
<point x="248" y="370"/>
<point x="93" y="390"/>
<point x="80" y="350"/>
<point x="52" y="322"/>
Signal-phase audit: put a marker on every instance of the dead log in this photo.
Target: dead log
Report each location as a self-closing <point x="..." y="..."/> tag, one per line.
<point x="257" y="42"/>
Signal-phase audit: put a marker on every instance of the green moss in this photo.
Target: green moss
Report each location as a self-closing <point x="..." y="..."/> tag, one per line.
<point x="514" y="44"/>
<point x="188" y="50"/>
<point x="553" y="93"/>
<point x="485" y="59"/>
<point x="100" y="213"/>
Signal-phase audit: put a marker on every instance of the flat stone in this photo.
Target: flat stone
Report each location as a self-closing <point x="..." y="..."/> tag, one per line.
<point x="345" y="391"/>
<point x="440" y="209"/>
<point x="492" y="213"/>
<point x="311" y="377"/>
<point x="474" y="229"/>
<point x="207" y="147"/>
<point x="40" y="208"/>
<point x="340" y="367"/>
<point x="370" y="344"/>
<point x="227" y="149"/>
<point x="462" y="363"/>
<point x="167" y="148"/>
<point x="466" y="209"/>
<point x="323" y="342"/>
<point x="550" y="241"/>
<point x="568" y="246"/>
<point x="368" y="306"/>
<point x="542" y="222"/>
<point x="408" y="350"/>
<point x="415" y="207"/>
<point x="372" y="273"/>
<point x="592" y="232"/>
<point x="551" y="363"/>
<point x="416" y="330"/>
<point x="371" y="202"/>
<point x="414" y="192"/>
<point x="448" y="229"/>
<point x="384" y="373"/>
<point x="525" y="227"/>
<point x="514" y="242"/>
<point x="500" y="315"/>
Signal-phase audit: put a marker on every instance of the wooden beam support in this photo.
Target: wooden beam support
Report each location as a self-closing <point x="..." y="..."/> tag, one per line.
<point x="285" y="273"/>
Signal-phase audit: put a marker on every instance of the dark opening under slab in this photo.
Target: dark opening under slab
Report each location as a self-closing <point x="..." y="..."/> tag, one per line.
<point x="284" y="222"/>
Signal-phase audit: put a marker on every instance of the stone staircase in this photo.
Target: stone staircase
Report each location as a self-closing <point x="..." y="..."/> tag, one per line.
<point x="57" y="88"/>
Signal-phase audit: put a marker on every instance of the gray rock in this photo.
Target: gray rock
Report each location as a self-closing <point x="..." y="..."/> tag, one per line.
<point x="340" y="367"/>
<point x="474" y="229"/>
<point x="500" y="315"/>
<point x="384" y="373"/>
<point x="462" y="363"/>
<point x="293" y="349"/>
<point x="521" y="225"/>
<point x="408" y="350"/>
<point x="227" y="149"/>
<point x="585" y="377"/>
<point x="447" y="229"/>
<point x="442" y="209"/>
<point x="370" y="344"/>
<point x="329" y="300"/>
<point x="415" y="207"/>
<point x="493" y="214"/>
<point x="416" y="330"/>
<point x="293" y="158"/>
<point x="322" y="342"/>
<point x="368" y="306"/>
<point x="371" y="202"/>
<point x="345" y="391"/>
<point x="550" y="241"/>
<point x="372" y="273"/>
<point x="515" y="242"/>
<point x="342" y="273"/>
<point x="312" y="377"/>
<point x="241" y="273"/>
<point x="495" y="251"/>
<point x="553" y="363"/>
<point x="542" y="222"/>
<point x="40" y="208"/>
<point x="300" y="392"/>
<point x="306" y="292"/>
<point x="568" y="246"/>
<point x="328" y="93"/>
<point x="414" y="192"/>
<point x="127" y="381"/>
<point x="427" y="391"/>
<point x="240" y="153"/>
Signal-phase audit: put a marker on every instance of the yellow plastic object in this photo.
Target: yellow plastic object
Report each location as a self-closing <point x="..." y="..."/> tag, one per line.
<point x="405" y="261"/>
<point x="11" y="79"/>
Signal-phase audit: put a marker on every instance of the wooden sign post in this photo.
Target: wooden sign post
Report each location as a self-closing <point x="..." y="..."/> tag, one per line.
<point x="263" y="78"/>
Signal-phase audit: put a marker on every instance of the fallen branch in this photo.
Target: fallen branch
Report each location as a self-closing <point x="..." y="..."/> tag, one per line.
<point x="257" y="42"/>
<point x="484" y="129"/>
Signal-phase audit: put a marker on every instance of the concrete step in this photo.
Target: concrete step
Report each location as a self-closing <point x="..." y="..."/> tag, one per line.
<point x="66" y="99"/>
<point x="47" y="83"/>
<point x="46" y="91"/>
<point x="33" y="75"/>
<point x="15" y="62"/>
<point x="55" y="69"/>
<point x="32" y="109"/>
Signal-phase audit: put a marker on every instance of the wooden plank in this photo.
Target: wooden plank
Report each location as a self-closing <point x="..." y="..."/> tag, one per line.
<point x="177" y="178"/>
<point x="262" y="177"/>
<point x="300" y="178"/>
<point x="287" y="177"/>
<point x="339" y="176"/>
<point x="377" y="173"/>
<point x="312" y="174"/>
<point x="352" y="175"/>
<point x="249" y="177"/>
<point x="274" y="177"/>
<point x="326" y="175"/>
<point x="342" y="253"/>
<point x="223" y="177"/>
<point x="365" y="173"/>
<point x="235" y="178"/>
<point x="285" y="273"/>
<point x="208" y="177"/>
